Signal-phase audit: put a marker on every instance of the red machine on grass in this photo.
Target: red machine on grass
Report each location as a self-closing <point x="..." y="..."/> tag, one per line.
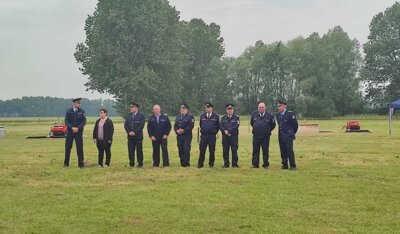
<point x="354" y="126"/>
<point x="58" y="130"/>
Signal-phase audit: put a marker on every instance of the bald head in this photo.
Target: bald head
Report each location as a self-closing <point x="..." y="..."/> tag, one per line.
<point x="262" y="107"/>
<point x="156" y="110"/>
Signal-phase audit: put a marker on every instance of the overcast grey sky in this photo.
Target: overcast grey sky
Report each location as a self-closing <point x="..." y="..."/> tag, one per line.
<point x="38" y="37"/>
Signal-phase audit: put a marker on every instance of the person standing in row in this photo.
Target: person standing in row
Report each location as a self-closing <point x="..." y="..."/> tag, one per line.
<point x="134" y="124"/>
<point x="159" y="127"/>
<point x="288" y="126"/>
<point x="75" y="119"/>
<point x="209" y="127"/>
<point x="183" y="126"/>
<point x="263" y="123"/>
<point x="230" y="136"/>
<point x="103" y="136"/>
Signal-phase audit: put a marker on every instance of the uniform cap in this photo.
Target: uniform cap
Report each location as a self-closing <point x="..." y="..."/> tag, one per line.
<point x="76" y="99"/>
<point x="184" y="105"/>
<point x="229" y="106"/>
<point x="134" y="104"/>
<point x="281" y="102"/>
<point x="208" y="104"/>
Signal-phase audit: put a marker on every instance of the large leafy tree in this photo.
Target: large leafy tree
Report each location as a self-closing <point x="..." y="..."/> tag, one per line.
<point x="328" y="78"/>
<point x="381" y="70"/>
<point x="204" y="50"/>
<point x="133" y="51"/>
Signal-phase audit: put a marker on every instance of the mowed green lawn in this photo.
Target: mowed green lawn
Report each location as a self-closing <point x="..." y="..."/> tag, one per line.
<point x="346" y="183"/>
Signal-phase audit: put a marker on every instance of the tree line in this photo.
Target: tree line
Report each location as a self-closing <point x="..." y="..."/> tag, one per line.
<point x="141" y="51"/>
<point x="50" y="107"/>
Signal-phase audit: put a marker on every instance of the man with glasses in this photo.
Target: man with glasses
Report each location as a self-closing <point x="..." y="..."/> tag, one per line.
<point x="134" y="124"/>
<point x="159" y="127"/>
<point x="75" y="119"/>
<point x="287" y="133"/>
<point x="263" y="123"/>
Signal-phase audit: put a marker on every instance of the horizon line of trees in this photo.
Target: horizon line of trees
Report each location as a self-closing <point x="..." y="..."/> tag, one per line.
<point x="51" y="107"/>
<point x="141" y="51"/>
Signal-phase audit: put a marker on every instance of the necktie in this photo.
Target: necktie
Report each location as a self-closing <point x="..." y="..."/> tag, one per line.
<point x="208" y="115"/>
<point x="158" y="119"/>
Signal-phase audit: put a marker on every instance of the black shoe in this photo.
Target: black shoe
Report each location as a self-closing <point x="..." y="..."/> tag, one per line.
<point x="284" y="167"/>
<point x="131" y="164"/>
<point x="265" y="166"/>
<point x="154" y="165"/>
<point x="211" y="165"/>
<point x="65" y="165"/>
<point x="235" y="166"/>
<point x="140" y="165"/>
<point x="255" y="166"/>
<point x="81" y="167"/>
<point x="293" y="168"/>
<point x="225" y="166"/>
<point x="200" y="166"/>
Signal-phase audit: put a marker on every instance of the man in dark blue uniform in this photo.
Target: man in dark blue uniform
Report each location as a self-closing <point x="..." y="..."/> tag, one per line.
<point x="209" y="127"/>
<point x="134" y="124"/>
<point x="287" y="133"/>
<point x="159" y="127"/>
<point x="183" y="126"/>
<point x="75" y="119"/>
<point x="230" y="132"/>
<point x="263" y="123"/>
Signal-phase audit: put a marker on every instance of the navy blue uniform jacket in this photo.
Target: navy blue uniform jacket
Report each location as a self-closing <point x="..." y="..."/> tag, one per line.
<point x="209" y="126"/>
<point x="288" y="126"/>
<point x="135" y="124"/>
<point x="158" y="130"/>
<point x="262" y="125"/>
<point x="186" y="123"/>
<point x="75" y="119"/>
<point x="230" y="124"/>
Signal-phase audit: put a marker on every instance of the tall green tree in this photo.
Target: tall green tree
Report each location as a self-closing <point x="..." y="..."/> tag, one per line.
<point x="133" y="49"/>
<point x="381" y="70"/>
<point x="204" y="50"/>
<point x="328" y="76"/>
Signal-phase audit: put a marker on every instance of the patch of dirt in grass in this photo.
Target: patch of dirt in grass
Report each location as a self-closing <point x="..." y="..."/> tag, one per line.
<point x="239" y="182"/>
<point x="294" y="213"/>
<point x="47" y="184"/>
<point x="134" y="220"/>
<point x="367" y="161"/>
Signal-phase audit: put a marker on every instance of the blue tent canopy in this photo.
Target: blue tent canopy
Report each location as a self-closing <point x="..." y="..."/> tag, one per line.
<point x="392" y="106"/>
<point x="395" y="104"/>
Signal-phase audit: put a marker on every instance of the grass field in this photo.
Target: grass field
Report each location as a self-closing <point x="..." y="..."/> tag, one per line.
<point x="346" y="183"/>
